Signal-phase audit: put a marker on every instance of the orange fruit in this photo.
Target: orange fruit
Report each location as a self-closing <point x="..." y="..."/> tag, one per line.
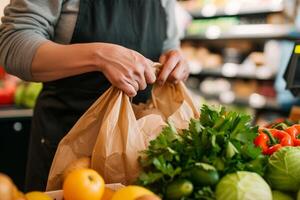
<point x="37" y="196"/>
<point x="148" y="197"/>
<point x="6" y="187"/>
<point x="83" y="184"/>
<point x="81" y="163"/>
<point x="108" y="194"/>
<point x="131" y="192"/>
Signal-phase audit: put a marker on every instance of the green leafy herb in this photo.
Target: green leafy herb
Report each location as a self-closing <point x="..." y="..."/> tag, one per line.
<point x="220" y="139"/>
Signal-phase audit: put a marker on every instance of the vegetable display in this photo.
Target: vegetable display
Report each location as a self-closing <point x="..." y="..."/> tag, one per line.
<point x="268" y="138"/>
<point x="278" y="135"/>
<point x="283" y="171"/>
<point x="243" y="186"/>
<point x="294" y="132"/>
<point x="218" y="143"/>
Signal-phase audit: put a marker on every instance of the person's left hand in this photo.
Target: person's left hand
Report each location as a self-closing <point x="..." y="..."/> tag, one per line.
<point x="175" y="67"/>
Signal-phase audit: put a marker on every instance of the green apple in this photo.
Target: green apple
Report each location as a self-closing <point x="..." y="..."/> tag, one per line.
<point x="32" y="91"/>
<point x="19" y="94"/>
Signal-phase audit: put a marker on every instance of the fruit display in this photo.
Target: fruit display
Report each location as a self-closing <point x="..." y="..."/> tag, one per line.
<point x="27" y="93"/>
<point x="14" y="91"/>
<point x="37" y="196"/>
<point x="8" y="86"/>
<point x="83" y="184"/>
<point x="81" y="163"/>
<point x="80" y="184"/>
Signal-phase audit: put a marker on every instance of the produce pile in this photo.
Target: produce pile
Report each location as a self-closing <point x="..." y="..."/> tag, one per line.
<point x="80" y="184"/>
<point x="221" y="156"/>
<point x="15" y="91"/>
<point x="218" y="157"/>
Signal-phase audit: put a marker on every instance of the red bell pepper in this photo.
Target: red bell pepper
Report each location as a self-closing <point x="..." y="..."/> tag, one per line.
<point x="262" y="141"/>
<point x="294" y="131"/>
<point x="267" y="140"/>
<point x="284" y="138"/>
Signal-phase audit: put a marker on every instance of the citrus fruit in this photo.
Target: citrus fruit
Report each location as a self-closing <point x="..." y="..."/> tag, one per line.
<point x="83" y="184"/>
<point x="81" y="163"/>
<point x="6" y="187"/>
<point x="148" y="197"/>
<point x="108" y="194"/>
<point x="37" y="196"/>
<point x="131" y="193"/>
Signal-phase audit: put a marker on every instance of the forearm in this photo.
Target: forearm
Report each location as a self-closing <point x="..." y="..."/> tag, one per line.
<point x="54" y="61"/>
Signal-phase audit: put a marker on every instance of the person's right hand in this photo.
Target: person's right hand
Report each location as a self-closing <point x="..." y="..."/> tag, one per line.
<point x="124" y="68"/>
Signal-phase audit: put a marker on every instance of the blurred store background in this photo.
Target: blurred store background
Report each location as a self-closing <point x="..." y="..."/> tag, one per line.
<point x="237" y="50"/>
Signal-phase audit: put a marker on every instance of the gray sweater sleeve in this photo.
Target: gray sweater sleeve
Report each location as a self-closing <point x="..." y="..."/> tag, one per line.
<point x="172" y="41"/>
<point x="26" y="25"/>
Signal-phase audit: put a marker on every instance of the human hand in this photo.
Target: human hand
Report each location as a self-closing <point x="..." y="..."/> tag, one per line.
<point x="175" y="67"/>
<point x="125" y="69"/>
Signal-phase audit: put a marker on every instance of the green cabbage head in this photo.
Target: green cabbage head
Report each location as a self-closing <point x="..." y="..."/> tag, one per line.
<point x="283" y="172"/>
<point x="243" y="186"/>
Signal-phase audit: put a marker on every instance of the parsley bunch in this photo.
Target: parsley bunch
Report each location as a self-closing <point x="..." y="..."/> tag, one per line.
<point x="218" y="140"/>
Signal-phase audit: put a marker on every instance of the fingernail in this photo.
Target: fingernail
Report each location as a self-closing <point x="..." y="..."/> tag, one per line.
<point x="153" y="78"/>
<point x="133" y="94"/>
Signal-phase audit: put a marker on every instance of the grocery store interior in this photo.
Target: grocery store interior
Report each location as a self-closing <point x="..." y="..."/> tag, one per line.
<point x="238" y="53"/>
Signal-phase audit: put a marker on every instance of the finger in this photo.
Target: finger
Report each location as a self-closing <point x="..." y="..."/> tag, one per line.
<point x="127" y="88"/>
<point x="186" y="76"/>
<point x="150" y="73"/>
<point x="134" y="84"/>
<point x="140" y="79"/>
<point x="187" y="73"/>
<point x="168" y="67"/>
<point x="177" y="74"/>
<point x="163" y="59"/>
<point x="138" y="75"/>
<point x="181" y="75"/>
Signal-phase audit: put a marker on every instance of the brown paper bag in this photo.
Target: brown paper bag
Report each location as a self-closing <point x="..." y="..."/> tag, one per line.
<point x="110" y="133"/>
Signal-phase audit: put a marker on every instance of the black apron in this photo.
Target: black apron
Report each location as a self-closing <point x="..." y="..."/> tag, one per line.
<point x="136" y="24"/>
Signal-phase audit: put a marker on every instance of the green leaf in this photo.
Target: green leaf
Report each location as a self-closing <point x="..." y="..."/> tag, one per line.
<point x="148" y="178"/>
<point x="230" y="150"/>
<point x="205" y="193"/>
<point x="205" y="166"/>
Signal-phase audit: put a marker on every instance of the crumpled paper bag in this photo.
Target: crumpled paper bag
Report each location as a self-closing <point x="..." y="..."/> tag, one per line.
<point x="111" y="134"/>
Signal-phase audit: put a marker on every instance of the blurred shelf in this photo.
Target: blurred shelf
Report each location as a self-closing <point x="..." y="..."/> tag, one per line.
<point x="219" y="74"/>
<point x="270" y="104"/>
<point x="257" y="31"/>
<point x="237" y="10"/>
<point x="12" y="112"/>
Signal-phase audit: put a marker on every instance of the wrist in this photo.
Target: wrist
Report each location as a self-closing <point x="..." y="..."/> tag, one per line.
<point x="97" y="57"/>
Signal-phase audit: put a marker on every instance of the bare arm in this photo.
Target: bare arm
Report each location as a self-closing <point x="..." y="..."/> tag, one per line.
<point x="124" y="68"/>
<point x="55" y="61"/>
